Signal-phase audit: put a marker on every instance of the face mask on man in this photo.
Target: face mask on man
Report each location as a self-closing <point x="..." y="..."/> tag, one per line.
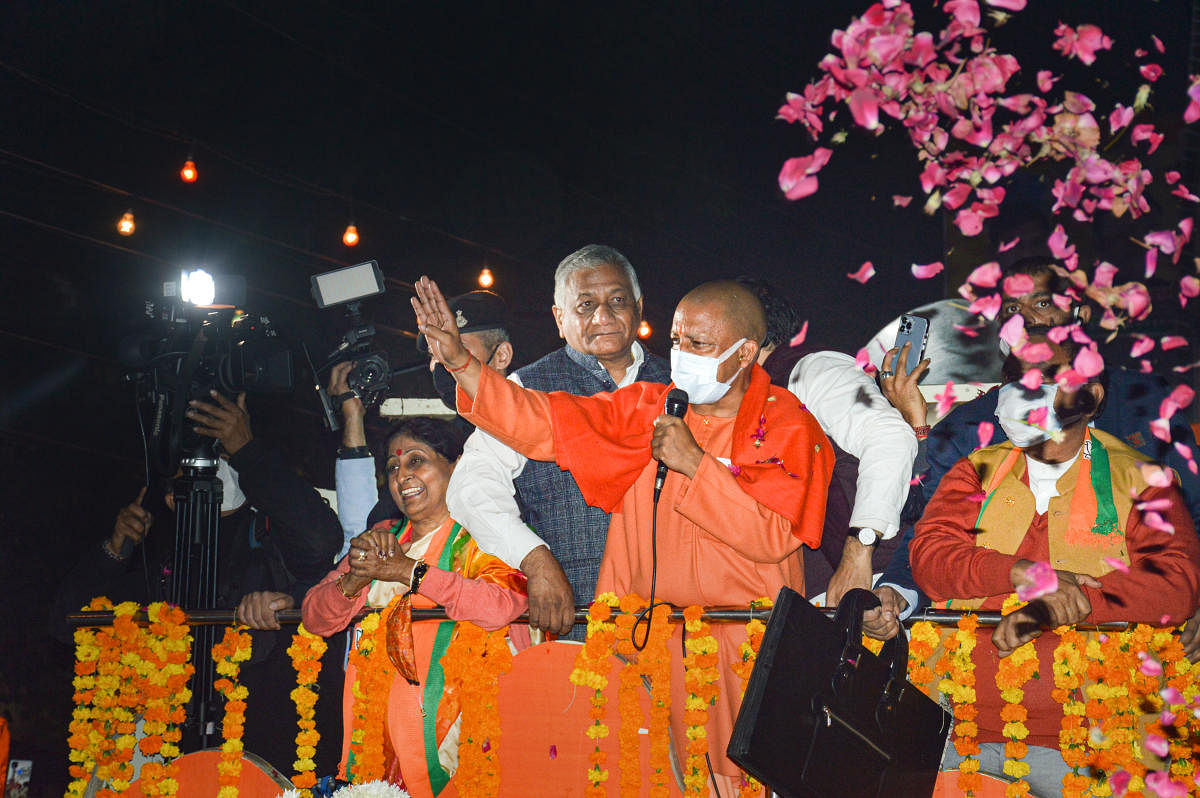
<point x="1014" y="406"/>
<point x="697" y="374"/>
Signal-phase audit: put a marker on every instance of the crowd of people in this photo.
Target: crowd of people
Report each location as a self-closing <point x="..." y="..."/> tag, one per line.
<point x="791" y="467"/>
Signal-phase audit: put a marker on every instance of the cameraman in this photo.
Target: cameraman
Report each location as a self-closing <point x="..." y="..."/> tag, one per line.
<point x="274" y="541"/>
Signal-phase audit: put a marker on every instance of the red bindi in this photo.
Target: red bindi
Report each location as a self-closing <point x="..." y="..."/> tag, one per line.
<point x="399" y="452"/>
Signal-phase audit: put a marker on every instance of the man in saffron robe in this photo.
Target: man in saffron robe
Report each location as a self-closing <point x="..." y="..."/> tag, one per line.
<point x="750" y="472"/>
<point x="1056" y="491"/>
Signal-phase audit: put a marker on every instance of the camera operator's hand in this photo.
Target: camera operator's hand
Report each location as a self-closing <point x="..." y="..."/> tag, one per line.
<point x="436" y="323"/>
<point x="353" y="412"/>
<point x="133" y="522"/>
<point x="227" y="422"/>
<point x="257" y="610"/>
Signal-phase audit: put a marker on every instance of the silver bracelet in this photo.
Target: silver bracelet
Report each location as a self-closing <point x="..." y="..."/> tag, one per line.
<point x="106" y="544"/>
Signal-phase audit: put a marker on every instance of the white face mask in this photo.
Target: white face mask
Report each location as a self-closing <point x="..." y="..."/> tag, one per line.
<point x="1013" y="407"/>
<point x="697" y="374"/>
<point x="231" y="492"/>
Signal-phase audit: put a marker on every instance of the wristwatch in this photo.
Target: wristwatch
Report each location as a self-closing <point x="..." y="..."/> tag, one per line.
<point x="418" y="573"/>
<point x="353" y="452"/>
<point x="867" y="536"/>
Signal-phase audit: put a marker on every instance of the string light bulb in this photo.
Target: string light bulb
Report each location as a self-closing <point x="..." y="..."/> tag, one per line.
<point x="188" y="173"/>
<point x="126" y="225"/>
<point x="350" y="237"/>
<point x="644" y="329"/>
<point x="486" y="278"/>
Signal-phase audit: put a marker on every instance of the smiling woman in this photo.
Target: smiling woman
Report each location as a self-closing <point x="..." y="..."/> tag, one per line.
<point x="423" y="561"/>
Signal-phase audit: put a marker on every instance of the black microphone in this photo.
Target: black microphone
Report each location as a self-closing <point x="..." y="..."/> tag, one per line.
<point x="676" y="405"/>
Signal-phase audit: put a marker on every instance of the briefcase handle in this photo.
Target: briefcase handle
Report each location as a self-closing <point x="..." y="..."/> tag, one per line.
<point x="849" y="619"/>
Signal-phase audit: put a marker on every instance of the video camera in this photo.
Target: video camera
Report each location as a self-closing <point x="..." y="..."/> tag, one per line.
<point x="369" y="377"/>
<point x="195" y="338"/>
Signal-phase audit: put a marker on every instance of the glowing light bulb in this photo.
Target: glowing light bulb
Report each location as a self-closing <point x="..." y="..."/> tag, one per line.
<point x="126" y="225"/>
<point x="644" y="329"/>
<point x="188" y="173"/>
<point x="350" y="237"/>
<point x="486" y="279"/>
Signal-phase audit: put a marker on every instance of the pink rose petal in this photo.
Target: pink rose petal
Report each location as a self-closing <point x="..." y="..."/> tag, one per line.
<point x="1184" y="450"/>
<point x="985" y="276"/>
<point x="799" y="337"/>
<point x="1041" y="579"/>
<point x="1045" y="80"/>
<point x="1035" y="353"/>
<point x="1154" y="504"/>
<point x="977" y="497"/>
<point x="900" y="201"/>
<point x="1088" y="362"/>
<point x="1141" y="346"/>
<point x="1037" y="417"/>
<point x="1172" y="342"/>
<point x="1155" y="744"/>
<point x="1117" y="565"/>
<point x="1013" y="331"/>
<point x="1007" y="245"/>
<point x="945" y="399"/>
<point x="1017" y="285"/>
<point x="926" y="270"/>
<point x="1156" y="476"/>
<point x="1166" y="718"/>
<point x="1060" y="246"/>
<point x="987" y="306"/>
<point x="1104" y="275"/>
<point x="1161" y="428"/>
<point x="1172" y="696"/>
<point x="984" y="432"/>
<point x="1119" y="783"/>
<point x="864" y="273"/>
<point x="1151" y="72"/>
<point x="1032" y="379"/>
<point x="1158" y="45"/>
<point x="1156" y="521"/>
<point x="863" y="361"/>
<point x="554" y="752"/>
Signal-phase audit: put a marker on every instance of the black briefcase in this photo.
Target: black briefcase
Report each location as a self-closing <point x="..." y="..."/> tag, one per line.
<point x="825" y="718"/>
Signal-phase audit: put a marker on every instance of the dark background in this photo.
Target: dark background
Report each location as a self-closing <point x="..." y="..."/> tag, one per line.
<point x="456" y="136"/>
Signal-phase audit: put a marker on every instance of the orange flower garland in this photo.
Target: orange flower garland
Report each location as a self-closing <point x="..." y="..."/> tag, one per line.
<point x="473" y="664"/>
<point x="655" y="660"/>
<point x="629" y="747"/>
<point x="131" y="674"/>
<point x="228" y="653"/>
<point x="755" y="629"/>
<point x="700" y="676"/>
<point x="923" y="641"/>
<point x="1012" y="674"/>
<point x="960" y="686"/>
<point x="370" y="702"/>
<point x="1069" y="671"/>
<point x="591" y="672"/>
<point x="169" y="650"/>
<point x="306" y="651"/>
<point x="1180" y="690"/>
<point x="85" y="728"/>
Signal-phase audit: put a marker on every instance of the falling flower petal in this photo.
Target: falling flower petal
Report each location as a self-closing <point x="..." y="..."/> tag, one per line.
<point x="1155" y="744"/>
<point x="1017" y="285"/>
<point x="1156" y="476"/>
<point x="1141" y="346"/>
<point x="987" y="306"/>
<point x="945" y="399"/>
<point x="1032" y="379"/>
<point x="1182" y="395"/>
<point x="1172" y="695"/>
<point x="917" y="480"/>
<point x="926" y="270"/>
<point x="900" y="201"/>
<point x="1156" y="521"/>
<point x="1007" y="245"/>
<point x="864" y="107"/>
<point x="1081" y="42"/>
<point x="1151" y="262"/>
<point x="1184" y="450"/>
<point x="1166" y="718"/>
<point x="797" y="178"/>
<point x="1117" y="565"/>
<point x="1037" y="417"/>
<point x="1189" y="288"/>
<point x="1119" y="782"/>
<point x="863" y="361"/>
<point x="1104" y="275"/>
<point x="554" y="752"/>
<point x="1009" y="5"/>
<point x="1034" y="353"/>
<point x="1154" y="504"/>
<point x="1172" y="342"/>
<point x="799" y="337"/>
<point x="1158" y="45"/>
<point x="1119" y="118"/>
<point x="977" y="497"/>
<point x="1172" y="177"/>
<point x="1045" y="80"/>
<point x="1059" y="245"/>
<point x="970" y="332"/>
<point x="1151" y="72"/>
<point x="1088" y="362"/>
<point x="1161" y="428"/>
<point x="985" y="276"/>
<point x="1042" y="579"/>
<point x="1012" y="331"/>
<point x="984" y="431"/>
<point x="864" y="273"/>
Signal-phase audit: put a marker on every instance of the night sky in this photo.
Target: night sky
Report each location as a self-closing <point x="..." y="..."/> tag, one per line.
<point x="455" y="136"/>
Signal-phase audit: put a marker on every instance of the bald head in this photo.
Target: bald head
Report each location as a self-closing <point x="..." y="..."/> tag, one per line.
<point x="734" y="304"/>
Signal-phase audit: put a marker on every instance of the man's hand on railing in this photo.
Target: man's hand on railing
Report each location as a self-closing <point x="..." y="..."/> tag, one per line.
<point x="551" y="600"/>
<point x="1063" y="607"/>
<point x="883" y="622"/>
<point x="257" y="610"/>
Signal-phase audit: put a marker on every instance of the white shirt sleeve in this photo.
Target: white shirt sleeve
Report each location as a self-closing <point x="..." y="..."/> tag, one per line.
<point x="354" y="480"/>
<point x="856" y="415"/>
<point x="482" y="498"/>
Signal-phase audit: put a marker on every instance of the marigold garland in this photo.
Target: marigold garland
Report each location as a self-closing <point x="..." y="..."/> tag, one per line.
<point x="628" y="745"/>
<point x="85" y="729"/>
<point x="960" y="686"/>
<point x="750" y="787"/>
<point x="655" y="660"/>
<point x="228" y="654"/>
<point x="1069" y="669"/>
<point x="169" y="650"/>
<point x="1012" y="674"/>
<point x="473" y="664"/>
<point x="923" y="641"/>
<point x="306" y="651"/>
<point x="700" y="675"/>
<point x="369" y="708"/>
<point x="591" y="671"/>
